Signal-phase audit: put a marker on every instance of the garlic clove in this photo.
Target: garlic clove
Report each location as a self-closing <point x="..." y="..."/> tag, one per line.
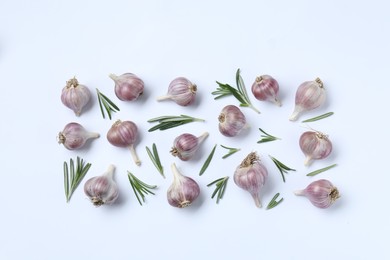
<point x="315" y="146"/>
<point x="181" y="91"/>
<point x="186" y="145"/>
<point x="75" y="96"/>
<point x="74" y="136"/>
<point x="266" y="87"/>
<point x="321" y="193"/>
<point x="231" y="121"/>
<point x="128" y="86"/>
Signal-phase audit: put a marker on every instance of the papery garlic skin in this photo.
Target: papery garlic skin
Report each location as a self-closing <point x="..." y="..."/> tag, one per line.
<point x="183" y="190"/>
<point x="74" y="136"/>
<point x="75" y="96"/>
<point x="251" y="176"/>
<point x="309" y="95"/>
<point x="231" y="121"/>
<point x="102" y="190"/>
<point x="181" y="91"/>
<point x="186" y="145"/>
<point x="321" y="193"/>
<point x="266" y="87"/>
<point x="124" y="134"/>
<point x="315" y="146"/>
<point x="128" y="86"/>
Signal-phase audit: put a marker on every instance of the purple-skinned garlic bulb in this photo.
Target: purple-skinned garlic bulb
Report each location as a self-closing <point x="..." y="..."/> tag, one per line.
<point x="74" y="136"/>
<point x="251" y="175"/>
<point x="266" y="87"/>
<point x="315" y="146"/>
<point x="128" y="86"/>
<point x="309" y="95"/>
<point x="102" y="190"/>
<point x="231" y="121"/>
<point x="124" y="134"/>
<point x="186" y="145"/>
<point x="75" y="96"/>
<point x="321" y="193"/>
<point x="183" y="190"/>
<point x="181" y="91"/>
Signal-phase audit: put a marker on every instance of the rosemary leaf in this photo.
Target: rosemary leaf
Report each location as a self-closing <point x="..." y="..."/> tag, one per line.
<point x="207" y="162"/>
<point x="230" y="152"/>
<point x="267" y="137"/>
<point x="313" y="173"/>
<point x="281" y="167"/>
<point x="108" y="105"/>
<point x="140" y="188"/>
<point x="273" y="203"/>
<point x="318" y="117"/>
<point x="220" y="187"/>
<point x="155" y="159"/>
<point x="72" y="180"/>
<point x="167" y="122"/>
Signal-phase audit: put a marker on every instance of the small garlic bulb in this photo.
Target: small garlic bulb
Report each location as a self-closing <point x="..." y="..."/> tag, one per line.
<point x="186" y="145"/>
<point x="102" y="190"/>
<point x="321" y="193"/>
<point x="309" y="95"/>
<point x="251" y="175"/>
<point x="74" y="136"/>
<point x="183" y="191"/>
<point x="128" y="86"/>
<point x="266" y="87"/>
<point x="181" y="91"/>
<point x="231" y="121"/>
<point x="75" y="96"/>
<point x="315" y="145"/>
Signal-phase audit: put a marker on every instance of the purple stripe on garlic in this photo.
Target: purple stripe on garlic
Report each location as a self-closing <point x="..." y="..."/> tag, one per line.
<point x="75" y="96"/>
<point x="128" y="86"/>
<point x="181" y="91"/>
<point x="321" y="193"/>
<point x="266" y="87"/>
<point x="74" y="136"/>
<point x="186" y="145"/>
<point x="231" y="121"/>
<point x="315" y="146"/>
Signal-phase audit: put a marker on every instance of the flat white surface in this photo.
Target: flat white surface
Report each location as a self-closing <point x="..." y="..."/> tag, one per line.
<point x="45" y="43"/>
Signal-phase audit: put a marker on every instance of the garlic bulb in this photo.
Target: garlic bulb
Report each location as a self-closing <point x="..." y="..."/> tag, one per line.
<point x="231" y="121"/>
<point x="74" y="136"/>
<point x="124" y="134"/>
<point x="266" y="87"/>
<point x="309" y="95"/>
<point x="128" y="86"/>
<point x="183" y="191"/>
<point x="315" y="145"/>
<point x="186" y="145"/>
<point x="251" y="175"/>
<point x="75" y="96"/>
<point x="321" y="193"/>
<point x="102" y="190"/>
<point x="181" y="91"/>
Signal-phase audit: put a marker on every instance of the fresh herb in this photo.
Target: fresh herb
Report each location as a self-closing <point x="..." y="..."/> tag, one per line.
<point x="155" y="159"/>
<point x="273" y="203"/>
<point x="231" y="151"/>
<point x="282" y="167"/>
<point x="108" y="105"/>
<point x="266" y="137"/>
<point x="239" y="93"/>
<point x="140" y="188"/>
<point x="166" y="122"/>
<point x="313" y="173"/>
<point x="72" y="180"/>
<point x="318" y="117"/>
<point x="220" y="187"/>
<point x="207" y="162"/>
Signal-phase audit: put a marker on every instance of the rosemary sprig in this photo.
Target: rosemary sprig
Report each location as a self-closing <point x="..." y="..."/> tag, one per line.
<point x="140" y="188"/>
<point x="230" y="152"/>
<point x="72" y="180"/>
<point x="267" y="137"/>
<point x="282" y="167"/>
<point x="108" y="105"/>
<point x="220" y="187"/>
<point x="207" y="162"/>
<point x="318" y="117"/>
<point x="273" y="203"/>
<point x="239" y="93"/>
<point x="166" y="122"/>
<point x="313" y="173"/>
<point x="155" y="159"/>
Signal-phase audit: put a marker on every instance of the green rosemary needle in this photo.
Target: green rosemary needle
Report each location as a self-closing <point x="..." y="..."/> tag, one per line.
<point x="140" y="188"/>
<point x="273" y="203"/>
<point x="220" y="187"/>
<point x="266" y="137"/>
<point x="72" y="180"/>
<point x="230" y="152"/>
<point x="239" y="93"/>
<point x="313" y="173"/>
<point x="108" y="105"/>
<point x="155" y="159"/>
<point x="318" y="117"/>
<point x="207" y="162"/>
<point x="282" y="167"/>
<point x="166" y="122"/>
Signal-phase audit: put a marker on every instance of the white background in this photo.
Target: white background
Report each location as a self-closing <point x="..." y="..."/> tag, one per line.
<point x="45" y="43"/>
